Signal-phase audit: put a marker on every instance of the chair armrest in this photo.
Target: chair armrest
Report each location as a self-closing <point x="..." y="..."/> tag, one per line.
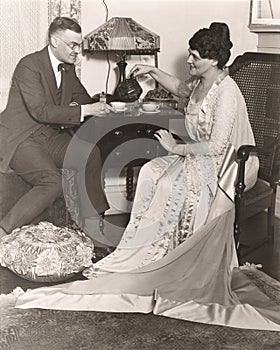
<point x="243" y="154"/>
<point x="244" y="151"/>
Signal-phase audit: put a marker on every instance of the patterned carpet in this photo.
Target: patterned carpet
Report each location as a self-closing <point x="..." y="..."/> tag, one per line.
<point x="66" y="330"/>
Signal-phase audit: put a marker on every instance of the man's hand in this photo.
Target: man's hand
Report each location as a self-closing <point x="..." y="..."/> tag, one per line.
<point x="166" y="140"/>
<point x="97" y="109"/>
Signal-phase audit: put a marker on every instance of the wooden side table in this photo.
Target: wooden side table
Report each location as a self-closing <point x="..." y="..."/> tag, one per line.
<point x="127" y="141"/>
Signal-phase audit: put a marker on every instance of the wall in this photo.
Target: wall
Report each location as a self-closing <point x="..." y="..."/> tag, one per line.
<point x="269" y="42"/>
<point x="175" y="21"/>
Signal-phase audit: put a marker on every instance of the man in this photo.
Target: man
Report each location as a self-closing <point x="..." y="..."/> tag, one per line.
<point x="46" y="95"/>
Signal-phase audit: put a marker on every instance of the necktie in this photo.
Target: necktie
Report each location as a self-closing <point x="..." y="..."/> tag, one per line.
<point x="61" y="69"/>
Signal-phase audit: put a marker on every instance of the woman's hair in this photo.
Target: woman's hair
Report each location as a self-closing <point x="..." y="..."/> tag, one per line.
<point x="63" y="23"/>
<point x="213" y="43"/>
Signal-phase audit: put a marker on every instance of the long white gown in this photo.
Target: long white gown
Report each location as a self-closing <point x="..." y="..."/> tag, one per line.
<point x="177" y="256"/>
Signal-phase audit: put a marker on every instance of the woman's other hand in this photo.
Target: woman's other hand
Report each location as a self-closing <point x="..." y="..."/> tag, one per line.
<point x="166" y="140"/>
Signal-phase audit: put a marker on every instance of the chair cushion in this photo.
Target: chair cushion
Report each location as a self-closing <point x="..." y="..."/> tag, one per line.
<point x="257" y="199"/>
<point x="45" y="252"/>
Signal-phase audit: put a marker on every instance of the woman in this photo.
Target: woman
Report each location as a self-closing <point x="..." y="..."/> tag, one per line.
<point x="174" y="193"/>
<point x="179" y="204"/>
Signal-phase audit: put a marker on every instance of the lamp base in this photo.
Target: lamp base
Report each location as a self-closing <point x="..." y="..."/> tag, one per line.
<point x="127" y="90"/>
<point x="122" y="77"/>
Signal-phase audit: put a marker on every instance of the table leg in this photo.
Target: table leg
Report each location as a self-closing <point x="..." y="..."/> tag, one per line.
<point x="129" y="183"/>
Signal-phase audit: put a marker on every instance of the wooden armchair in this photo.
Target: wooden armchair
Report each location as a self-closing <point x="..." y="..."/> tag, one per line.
<point x="258" y="77"/>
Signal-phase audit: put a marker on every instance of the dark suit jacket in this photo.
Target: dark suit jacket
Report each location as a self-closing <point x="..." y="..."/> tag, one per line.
<point x="33" y="102"/>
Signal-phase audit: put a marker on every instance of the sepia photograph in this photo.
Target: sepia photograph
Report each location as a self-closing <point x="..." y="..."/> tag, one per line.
<point x="139" y="174"/>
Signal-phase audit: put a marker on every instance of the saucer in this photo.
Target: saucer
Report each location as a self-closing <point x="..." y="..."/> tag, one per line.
<point x="120" y="110"/>
<point x="152" y="112"/>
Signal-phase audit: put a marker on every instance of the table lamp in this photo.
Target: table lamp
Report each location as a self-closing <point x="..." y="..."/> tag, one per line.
<point x="123" y="36"/>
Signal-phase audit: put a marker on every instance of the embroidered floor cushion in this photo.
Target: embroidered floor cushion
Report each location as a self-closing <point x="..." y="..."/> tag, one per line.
<point x="45" y="252"/>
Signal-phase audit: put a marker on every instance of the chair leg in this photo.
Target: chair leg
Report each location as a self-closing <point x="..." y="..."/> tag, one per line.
<point x="270" y="224"/>
<point x="240" y="246"/>
<point x="236" y="232"/>
<point x="268" y="238"/>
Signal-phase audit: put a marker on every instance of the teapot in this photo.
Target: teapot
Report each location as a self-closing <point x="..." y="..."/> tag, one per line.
<point x="128" y="90"/>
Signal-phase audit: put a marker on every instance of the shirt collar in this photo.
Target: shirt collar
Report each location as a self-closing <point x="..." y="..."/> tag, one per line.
<point x="54" y="61"/>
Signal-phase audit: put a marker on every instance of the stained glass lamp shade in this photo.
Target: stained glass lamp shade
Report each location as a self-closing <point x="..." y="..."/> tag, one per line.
<point x="122" y="35"/>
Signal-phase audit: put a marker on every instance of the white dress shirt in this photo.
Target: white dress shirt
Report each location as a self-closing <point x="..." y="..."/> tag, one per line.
<point x="55" y="63"/>
<point x="57" y="73"/>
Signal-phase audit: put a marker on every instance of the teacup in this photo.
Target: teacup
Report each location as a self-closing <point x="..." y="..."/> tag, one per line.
<point x="149" y="107"/>
<point x="118" y="105"/>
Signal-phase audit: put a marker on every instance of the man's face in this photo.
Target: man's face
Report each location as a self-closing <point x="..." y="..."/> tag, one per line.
<point x="66" y="45"/>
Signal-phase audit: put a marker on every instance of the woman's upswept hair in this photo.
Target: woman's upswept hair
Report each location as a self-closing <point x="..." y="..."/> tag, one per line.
<point x="213" y="43"/>
<point x="63" y="23"/>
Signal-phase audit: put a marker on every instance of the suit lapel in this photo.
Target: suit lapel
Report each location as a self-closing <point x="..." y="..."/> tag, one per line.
<point x="66" y="83"/>
<point x="49" y="74"/>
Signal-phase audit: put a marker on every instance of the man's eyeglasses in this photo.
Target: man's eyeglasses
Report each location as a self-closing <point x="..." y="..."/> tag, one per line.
<point x="73" y="46"/>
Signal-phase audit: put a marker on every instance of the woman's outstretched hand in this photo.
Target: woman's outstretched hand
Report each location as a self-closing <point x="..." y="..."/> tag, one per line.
<point x="166" y="140"/>
<point x="141" y="69"/>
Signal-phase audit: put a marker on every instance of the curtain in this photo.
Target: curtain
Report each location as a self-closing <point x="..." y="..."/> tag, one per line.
<point x="67" y="8"/>
<point x="23" y="29"/>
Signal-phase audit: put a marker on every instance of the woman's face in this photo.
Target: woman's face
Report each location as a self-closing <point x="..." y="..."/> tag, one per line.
<point x="199" y="66"/>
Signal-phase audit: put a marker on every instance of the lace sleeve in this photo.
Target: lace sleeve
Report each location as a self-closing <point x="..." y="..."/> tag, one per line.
<point x="220" y="112"/>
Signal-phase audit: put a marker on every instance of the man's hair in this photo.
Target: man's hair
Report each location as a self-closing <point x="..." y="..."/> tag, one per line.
<point x="63" y="23"/>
